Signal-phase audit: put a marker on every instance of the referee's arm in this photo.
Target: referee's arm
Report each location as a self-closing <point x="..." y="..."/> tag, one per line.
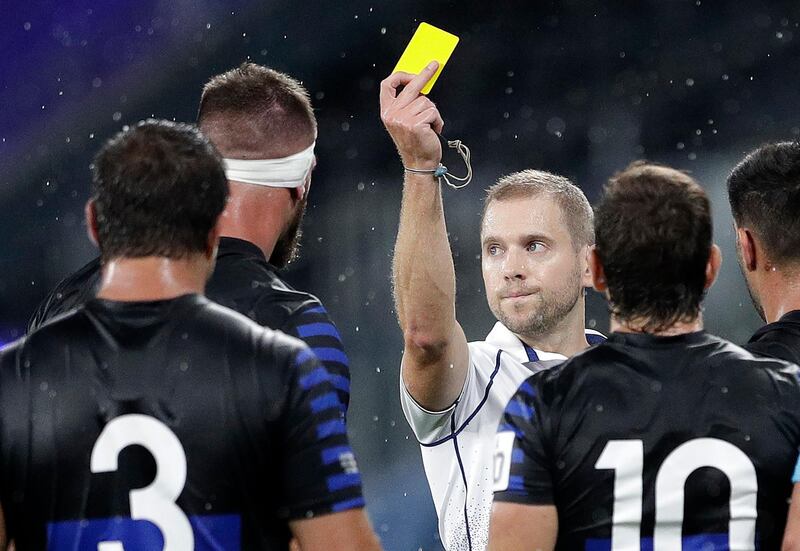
<point x="436" y="355"/>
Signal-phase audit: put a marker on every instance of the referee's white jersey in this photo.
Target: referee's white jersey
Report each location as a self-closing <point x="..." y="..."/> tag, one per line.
<point x="458" y="443"/>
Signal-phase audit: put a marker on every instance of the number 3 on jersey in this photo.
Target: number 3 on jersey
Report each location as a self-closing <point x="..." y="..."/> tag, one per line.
<point x="156" y="502"/>
<point x="626" y="458"/>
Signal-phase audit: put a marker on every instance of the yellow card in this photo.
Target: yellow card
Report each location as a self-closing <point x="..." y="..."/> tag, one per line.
<point x="428" y="44"/>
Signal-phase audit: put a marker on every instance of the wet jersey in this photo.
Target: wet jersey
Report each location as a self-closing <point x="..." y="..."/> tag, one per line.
<point x="244" y="281"/>
<point x="176" y="423"/>
<point x="662" y="443"/>
<point x="458" y="444"/>
<point x="780" y="339"/>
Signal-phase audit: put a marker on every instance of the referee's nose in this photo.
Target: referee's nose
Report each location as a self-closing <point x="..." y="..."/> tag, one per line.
<point x="513" y="265"/>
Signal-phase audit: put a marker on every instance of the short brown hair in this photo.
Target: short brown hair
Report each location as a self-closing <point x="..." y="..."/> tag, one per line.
<point x="158" y="188"/>
<point x="256" y="112"/>
<point x="653" y="229"/>
<point x="575" y="208"/>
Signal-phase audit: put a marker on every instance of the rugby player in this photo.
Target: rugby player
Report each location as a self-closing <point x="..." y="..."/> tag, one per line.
<point x="764" y="192"/>
<point x="262" y="122"/>
<point x="536" y="231"/>
<point x="151" y="417"/>
<point x="664" y="437"/>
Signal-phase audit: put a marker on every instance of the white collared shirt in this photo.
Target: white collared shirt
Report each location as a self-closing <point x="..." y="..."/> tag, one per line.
<point x="458" y="444"/>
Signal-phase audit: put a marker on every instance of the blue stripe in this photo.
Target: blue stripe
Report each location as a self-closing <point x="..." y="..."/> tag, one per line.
<point x="517" y="456"/>
<point x="527" y="389"/>
<point x="329" y="400"/>
<point x="516" y="483"/>
<point x="333" y="455"/>
<point x="331" y="355"/>
<point x="316" y="377"/>
<point x="354" y="503"/>
<point x="303" y="356"/>
<point x="696" y="542"/>
<point x="518" y="408"/>
<point x="341" y="481"/>
<point x="331" y="428"/>
<point x="796" y="474"/>
<point x="317" y="330"/>
<point x="532" y="355"/>
<point x="316" y="310"/>
<point x="592" y="339"/>
<point x="340" y="382"/>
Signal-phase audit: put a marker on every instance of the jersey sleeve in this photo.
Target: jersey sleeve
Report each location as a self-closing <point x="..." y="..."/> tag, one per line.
<point x="430" y="426"/>
<point x="320" y="471"/>
<point x="313" y="325"/>
<point x="522" y="466"/>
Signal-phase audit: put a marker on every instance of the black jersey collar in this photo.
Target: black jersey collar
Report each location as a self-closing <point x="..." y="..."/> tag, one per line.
<point x="790" y="318"/>
<point x="650" y="340"/>
<point x="236" y="245"/>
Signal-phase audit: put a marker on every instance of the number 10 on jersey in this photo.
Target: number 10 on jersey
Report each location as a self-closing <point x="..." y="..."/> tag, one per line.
<point x="626" y="459"/>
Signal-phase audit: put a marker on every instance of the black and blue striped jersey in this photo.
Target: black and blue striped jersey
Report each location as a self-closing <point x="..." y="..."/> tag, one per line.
<point x="779" y="339"/>
<point x="680" y="442"/>
<point x="175" y="421"/>
<point x="244" y="281"/>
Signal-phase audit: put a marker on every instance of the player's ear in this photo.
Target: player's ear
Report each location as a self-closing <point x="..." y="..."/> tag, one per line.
<point x="586" y="278"/>
<point x="597" y="271"/>
<point x="90" y="212"/>
<point x="747" y="246"/>
<point x="213" y="241"/>
<point x="712" y="266"/>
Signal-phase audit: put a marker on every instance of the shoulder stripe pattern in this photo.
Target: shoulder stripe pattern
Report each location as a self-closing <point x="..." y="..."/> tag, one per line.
<point x="348" y="504"/>
<point x="317" y="330"/>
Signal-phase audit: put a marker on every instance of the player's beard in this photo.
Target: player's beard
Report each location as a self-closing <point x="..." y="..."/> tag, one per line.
<point x="553" y="306"/>
<point x="287" y="248"/>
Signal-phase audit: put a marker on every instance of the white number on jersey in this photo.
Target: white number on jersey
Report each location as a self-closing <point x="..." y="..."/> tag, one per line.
<point x="156" y="502"/>
<point x="626" y="458"/>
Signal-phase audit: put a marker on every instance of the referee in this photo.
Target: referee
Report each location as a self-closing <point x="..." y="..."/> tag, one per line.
<point x="152" y="418"/>
<point x="262" y="122"/>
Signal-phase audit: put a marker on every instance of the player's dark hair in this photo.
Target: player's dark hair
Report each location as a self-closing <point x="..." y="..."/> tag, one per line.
<point x="575" y="208"/>
<point x="764" y="192"/>
<point x="653" y="236"/>
<point x="158" y="189"/>
<point x="255" y="111"/>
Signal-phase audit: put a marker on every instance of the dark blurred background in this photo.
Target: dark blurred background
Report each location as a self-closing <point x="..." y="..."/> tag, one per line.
<point x="579" y="87"/>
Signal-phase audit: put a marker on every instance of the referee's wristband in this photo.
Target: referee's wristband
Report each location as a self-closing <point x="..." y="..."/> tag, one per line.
<point x="437" y="172"/>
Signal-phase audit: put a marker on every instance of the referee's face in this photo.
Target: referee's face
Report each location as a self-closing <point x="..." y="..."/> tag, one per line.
<point x="532" y="272"/>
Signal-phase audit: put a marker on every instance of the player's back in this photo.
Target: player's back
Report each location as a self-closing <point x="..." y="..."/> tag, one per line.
<point x="179" y="412"/>
<point x="685" y="440"/>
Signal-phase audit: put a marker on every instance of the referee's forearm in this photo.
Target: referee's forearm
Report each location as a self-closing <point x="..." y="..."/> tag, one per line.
<point x="423" y="272"/>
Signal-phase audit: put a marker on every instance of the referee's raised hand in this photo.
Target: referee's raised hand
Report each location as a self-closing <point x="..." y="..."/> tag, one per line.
<point x="413" y="121"/>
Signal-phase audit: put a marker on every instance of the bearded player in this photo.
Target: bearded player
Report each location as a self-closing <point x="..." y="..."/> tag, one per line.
<point x="263" y="124"/>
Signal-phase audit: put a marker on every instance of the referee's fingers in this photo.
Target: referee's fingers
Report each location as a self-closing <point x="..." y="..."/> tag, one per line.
<point x="413" y="88"/>
<point x="389" y="87"/>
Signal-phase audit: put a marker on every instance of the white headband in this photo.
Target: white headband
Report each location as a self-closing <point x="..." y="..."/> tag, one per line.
<point x="289" y="172"/>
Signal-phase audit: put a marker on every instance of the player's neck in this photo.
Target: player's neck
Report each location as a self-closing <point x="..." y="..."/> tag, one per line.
<point x="779" y="294"/>
<point x="152" y="278"/>
<point x="253" y="216"/>
<point x="637" y="325"/>
<point x="567" y="338"/>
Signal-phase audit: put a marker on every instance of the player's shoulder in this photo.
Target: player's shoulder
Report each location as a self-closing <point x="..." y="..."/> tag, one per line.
<point x="242" y="333"/>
